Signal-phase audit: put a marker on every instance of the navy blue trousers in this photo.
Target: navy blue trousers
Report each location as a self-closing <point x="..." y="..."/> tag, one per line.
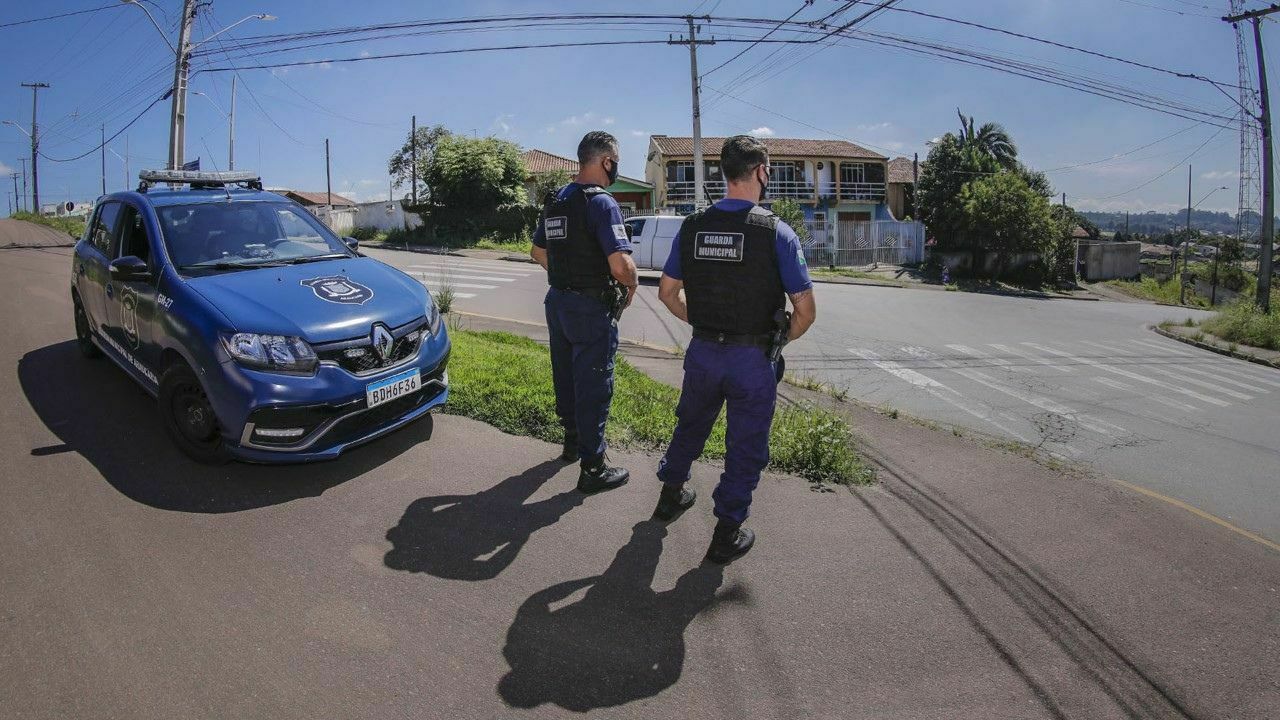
<point x="714" y="375"/>
<point x="584" y="340"/>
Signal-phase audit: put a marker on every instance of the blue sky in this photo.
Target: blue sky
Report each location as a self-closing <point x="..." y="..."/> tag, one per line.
<point x="106" y="66"/>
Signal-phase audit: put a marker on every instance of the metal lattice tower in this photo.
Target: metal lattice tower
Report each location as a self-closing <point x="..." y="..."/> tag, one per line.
<point x="1247" y="214"/>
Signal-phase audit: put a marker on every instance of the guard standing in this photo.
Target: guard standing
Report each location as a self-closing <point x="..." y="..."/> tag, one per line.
<point x="731" y="268"/>
<point x="583" y="245"/>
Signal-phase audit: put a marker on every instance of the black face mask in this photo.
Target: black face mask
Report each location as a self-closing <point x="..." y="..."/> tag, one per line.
<point x="612" y="172"/>
<point x="764" y="187"/>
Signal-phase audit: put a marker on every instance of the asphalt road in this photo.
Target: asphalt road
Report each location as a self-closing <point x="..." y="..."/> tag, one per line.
<point x="1087" y="381"/>
<point x="450" y="571"/>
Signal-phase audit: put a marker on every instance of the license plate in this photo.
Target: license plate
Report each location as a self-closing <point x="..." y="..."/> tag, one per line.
<point x="393" y="387"/>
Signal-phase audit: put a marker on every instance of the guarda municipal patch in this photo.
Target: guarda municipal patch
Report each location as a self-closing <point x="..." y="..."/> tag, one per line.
<point x="555" y="228"/>
<point x="339" y="289"/>
<point x="722" y="246"/>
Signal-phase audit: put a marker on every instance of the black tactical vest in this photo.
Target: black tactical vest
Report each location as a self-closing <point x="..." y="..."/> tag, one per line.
<point x="729" y="261"/>
<point x="575" y="260"/>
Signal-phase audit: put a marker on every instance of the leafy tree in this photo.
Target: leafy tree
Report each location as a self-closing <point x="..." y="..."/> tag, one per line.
<point x="991" y="140"/>
<point x="1231" y="264"/>
<point x="1036" y="180"/>
<point x="400" y="165"/>
<point x="946" y="171"/>
<point x="789" y="212"/>
<point x="545" y="183"/>
<point x="1008" y="216"/>
<point x="480" y="173"/>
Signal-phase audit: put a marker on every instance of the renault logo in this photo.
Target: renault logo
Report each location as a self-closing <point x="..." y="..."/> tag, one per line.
<point x="382" y="341"/>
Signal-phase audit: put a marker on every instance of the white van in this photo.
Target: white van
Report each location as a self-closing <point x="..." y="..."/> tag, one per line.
<point x="651" y="237"/>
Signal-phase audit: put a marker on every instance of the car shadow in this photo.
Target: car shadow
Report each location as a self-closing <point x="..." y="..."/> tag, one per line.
<point x="475" y="537"/>
<point x="97" y="411"/>
<point x="620" y="642"/>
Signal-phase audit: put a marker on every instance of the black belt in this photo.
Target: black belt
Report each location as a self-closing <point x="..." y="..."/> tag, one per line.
<point x="716" y="336"/>
<point x="592" y="292"/>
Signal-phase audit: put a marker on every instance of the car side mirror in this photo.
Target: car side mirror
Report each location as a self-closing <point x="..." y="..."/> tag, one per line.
<point x="130" y="267"/>
<point x="352" y="243"/>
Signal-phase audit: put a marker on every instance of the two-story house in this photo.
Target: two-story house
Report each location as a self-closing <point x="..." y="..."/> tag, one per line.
<point x="833" y="180"/>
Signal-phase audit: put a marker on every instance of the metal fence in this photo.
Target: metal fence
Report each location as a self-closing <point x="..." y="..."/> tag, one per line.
<point x="852" y="243"/>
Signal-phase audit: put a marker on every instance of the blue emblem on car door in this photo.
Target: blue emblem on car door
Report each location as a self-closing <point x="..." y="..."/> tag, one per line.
<point x="339" y="289"/>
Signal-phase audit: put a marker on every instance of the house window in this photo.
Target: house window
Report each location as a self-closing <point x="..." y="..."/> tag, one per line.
<point x="853" y="172"/>
<point x="680" y="171"/>
<point x="786" y="172"/>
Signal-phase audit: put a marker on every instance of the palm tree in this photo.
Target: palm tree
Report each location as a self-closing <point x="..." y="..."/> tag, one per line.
<point x="991" y="140"/>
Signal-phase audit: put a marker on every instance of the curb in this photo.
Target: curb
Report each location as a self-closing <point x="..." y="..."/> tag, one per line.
<point x="1216" y="349"/>
<point x="940" y="288"/>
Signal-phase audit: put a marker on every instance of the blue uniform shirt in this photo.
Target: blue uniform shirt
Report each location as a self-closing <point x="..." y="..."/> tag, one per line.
<point x="791" y="264"/>
<point x="604" y="222"/>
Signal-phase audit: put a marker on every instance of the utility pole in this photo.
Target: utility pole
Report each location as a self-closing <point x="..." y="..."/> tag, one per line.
<point x="915" y="180"/>
<point x="15" y="192"/>
<point x="413" y="162"/>
<point x="22" y="203"/>
<point x="231" y="128"/>
<point x="1267" y="236"/>
<point x="1064" y="199"/>
<point x="328" y="189"/>
<point x="178" y="112"/>
<point x="699" y="170"/>
<point x="1186" y="246"/>
<point x="1126" y="224"/>
<point x="104" y="159"/>
<point x="35" y="147"/>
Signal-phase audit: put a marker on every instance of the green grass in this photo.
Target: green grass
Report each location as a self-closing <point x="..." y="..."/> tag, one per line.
<point x="520" y="246"/>
<point x="1148" y="289"/>
<point x="855" y="274"/>
<point x="72" y="226"/>
<point x="1244" y="324"/>
<point x="505" y="381"/>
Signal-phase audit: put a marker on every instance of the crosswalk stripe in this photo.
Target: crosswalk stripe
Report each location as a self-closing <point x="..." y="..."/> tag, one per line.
<point x="1164" y="347"/>
<point x="469" y="286"/>
<point x="1109" y="348"/>
<point x="980" y="355"/>
<point x="1032" y="358"/>
<point x="450" y="267"/>
<point x="452" y="275"/>
<point x="1158" y="398"/>
<point x="1229" y="381"/>
<point x="1246" y="370"/>
<point x="936" y="389"/>
<point x="1206" y="385"/>
<point x="1101" y="427"/>
<point x="1133" y="376"/>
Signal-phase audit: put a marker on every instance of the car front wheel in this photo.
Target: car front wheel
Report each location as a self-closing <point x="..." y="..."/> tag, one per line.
<point x="84" y="336"/>
<point x="188" y="417"/>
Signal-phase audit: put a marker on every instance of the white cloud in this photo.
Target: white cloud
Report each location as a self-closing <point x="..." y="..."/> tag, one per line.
<point x="1221" y="175"/>
<point x="6" y="170"/>
<point x="640" y="133"/>
<point x="585" y="119"/>
<point x="607" y="120"/>
<point x="370" y="182"/>
<point x="875" y="126"/>
<point x="502" y="124"/>
<point x="364" y="53"/>
<point x="763" y="132"/>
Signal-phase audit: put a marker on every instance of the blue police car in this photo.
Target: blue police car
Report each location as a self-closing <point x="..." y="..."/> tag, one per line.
<point x="263" y="336"/>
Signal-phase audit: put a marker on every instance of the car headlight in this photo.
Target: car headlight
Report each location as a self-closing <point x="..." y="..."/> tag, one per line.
<point x="279" y="353"/>
<point x="433" y="315"/>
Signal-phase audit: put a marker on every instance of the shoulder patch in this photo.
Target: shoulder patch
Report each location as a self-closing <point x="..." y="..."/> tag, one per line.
<point x="620" y="232"/>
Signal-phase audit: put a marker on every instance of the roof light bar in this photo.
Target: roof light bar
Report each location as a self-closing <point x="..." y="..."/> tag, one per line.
<point x="186" y="177"/>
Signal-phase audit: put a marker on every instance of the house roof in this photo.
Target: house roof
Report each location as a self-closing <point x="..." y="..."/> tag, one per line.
<point x="900" y="170"/>
<point x="314" y="198"/>
<point x="540" y="161"/>
<point x="796" y="147"/>
<point x="1080" y="232"/>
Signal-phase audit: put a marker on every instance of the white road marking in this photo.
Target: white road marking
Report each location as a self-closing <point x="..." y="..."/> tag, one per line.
<point x="1108" y="348"/>
<point x="1163" y="347"/>
<point x="1240" y="368"/>
<point x="1102" y="427"/>
<point x="450" y="275"/>
<point x="469" y="286"/>
<point x="980" y="355"/>
<point x="1162" y="400"/>
<point x="458" y="268"/>
<point x="1206" y="385"/>
<point x="1131" y="375"/>
<point x="936" y="389"/>
<point x="1032" y="358"/>
<point x="1219" y="378"/>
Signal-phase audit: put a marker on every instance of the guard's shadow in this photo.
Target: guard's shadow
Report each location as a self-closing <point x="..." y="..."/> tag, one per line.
<point x="620" y="642"/>
<point x="475" y="537"/>
<point x="98" y="412"/>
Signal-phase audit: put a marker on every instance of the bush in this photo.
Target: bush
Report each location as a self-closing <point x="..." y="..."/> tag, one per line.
<point x="364" y="233"/>
<point x="73" y="226"/>
<point x="505" y="380"/>
<point x="1245" y="324"/>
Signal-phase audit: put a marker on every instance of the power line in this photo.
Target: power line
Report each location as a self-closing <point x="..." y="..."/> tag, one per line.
<point x="1173" y="167"/>
<point x="748" y="48"/>
<point x="55" y="17"/>
<point x="117" y="134"/>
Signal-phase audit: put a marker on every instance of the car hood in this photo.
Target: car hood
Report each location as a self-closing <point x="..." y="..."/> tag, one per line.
<point x="319" y="302"/>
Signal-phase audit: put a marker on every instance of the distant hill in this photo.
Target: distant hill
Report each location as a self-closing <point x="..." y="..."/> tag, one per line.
<point x="1157" y="223"/>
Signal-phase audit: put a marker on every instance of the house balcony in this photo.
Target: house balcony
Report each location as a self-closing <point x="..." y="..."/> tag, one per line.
<point x="855" y="191"/>
<point x="682" y="190"/>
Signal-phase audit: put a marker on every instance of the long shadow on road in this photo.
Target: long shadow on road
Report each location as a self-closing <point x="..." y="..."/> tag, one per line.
<point x="475" y="537"/>
<point x="100" y="413"/>
<point x="620" y="642"/>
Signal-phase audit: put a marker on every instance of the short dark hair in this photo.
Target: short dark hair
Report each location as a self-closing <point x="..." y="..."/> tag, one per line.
<point x="594" y="144"/>
<point x="740" y="155"/>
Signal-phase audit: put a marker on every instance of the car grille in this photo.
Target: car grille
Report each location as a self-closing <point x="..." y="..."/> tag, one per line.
<point x="358" y="357"/>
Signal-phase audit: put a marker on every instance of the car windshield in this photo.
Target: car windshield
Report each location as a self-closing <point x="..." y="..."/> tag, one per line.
<point x="224" y="236"/>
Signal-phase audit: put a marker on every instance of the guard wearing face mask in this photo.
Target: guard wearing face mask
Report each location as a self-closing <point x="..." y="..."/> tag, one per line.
<point x="731" y="269"/>
<point x="583" y="245"/>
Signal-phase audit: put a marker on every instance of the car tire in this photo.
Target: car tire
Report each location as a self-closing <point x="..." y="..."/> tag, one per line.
<point x="188" y="418"/>
<point x="84" y="334"/>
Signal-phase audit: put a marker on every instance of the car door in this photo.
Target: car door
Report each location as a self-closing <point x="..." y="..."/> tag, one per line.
<point x="92" y="275"/>
<point x="639" y="243"/>
<point x="664" y="231"/>
<point x="131" y="304"/>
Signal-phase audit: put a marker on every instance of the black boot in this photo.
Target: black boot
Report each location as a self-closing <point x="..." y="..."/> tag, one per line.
<point x="570" y="453"/>
<point x="598" y="477"/>
<point x="673" y="501"/>
<point x="729" y="542"/>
